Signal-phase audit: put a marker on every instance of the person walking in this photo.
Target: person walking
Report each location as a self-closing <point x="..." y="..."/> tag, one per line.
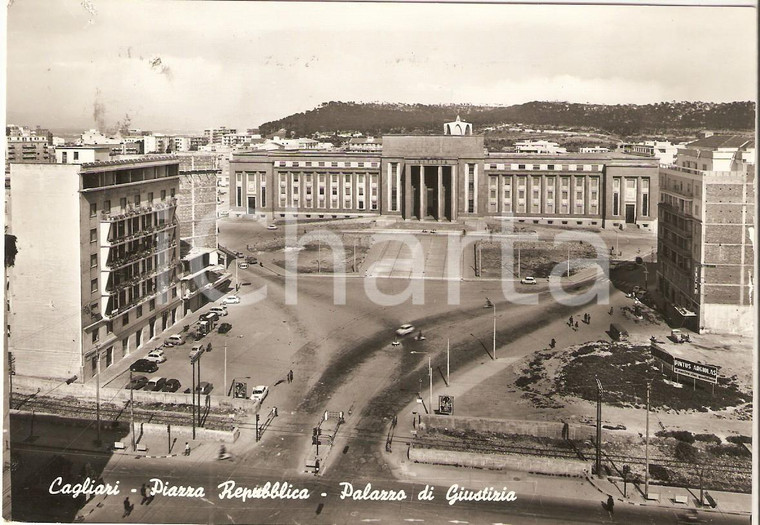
<point x="610" y="505"/>
<point x="612" y="309"/>
<point x="553" y="343"/>
<point x="127" y="508"/>
<point x="144" y="493"/>
<point x="571" y="320"/>
<point x="187" y="448"/>
<point x="576" y="325"/>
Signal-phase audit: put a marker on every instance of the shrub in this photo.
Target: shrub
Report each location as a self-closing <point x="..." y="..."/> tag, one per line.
<point x="681" y="435"/>
<point x="686" y="452"/>
<point x="708" y="438"/>
<point x="727" y="450"/>
<point x="738" y="440"/>
<point x="659" y="472"/>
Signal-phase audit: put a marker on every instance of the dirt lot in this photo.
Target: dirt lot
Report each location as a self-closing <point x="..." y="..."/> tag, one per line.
<point x="536" y="259"/>
<point x="316" y="258"/>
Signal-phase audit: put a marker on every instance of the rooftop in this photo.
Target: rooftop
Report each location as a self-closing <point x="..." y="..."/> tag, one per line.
<point x="721" y="141"/>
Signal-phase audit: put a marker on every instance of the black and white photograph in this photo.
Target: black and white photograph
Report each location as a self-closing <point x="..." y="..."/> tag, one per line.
<point x="281" y="262"/>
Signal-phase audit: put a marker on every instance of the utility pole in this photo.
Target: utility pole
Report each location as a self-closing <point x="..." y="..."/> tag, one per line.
<point x="225" y="364"/>
<point x="193" y="394"/>
<point x="97" y="394"/>
<point x="430" y="375"/>
<point x="354" y="254"/>
<point x="319" y="255"/>
<point x="448" y="367"/>
<point x="646" y="445"/>
<point x="494" y="331"/>
<point x="518" y="260"/>
<point x="132" y="412"/>
<point x="599" y="392"/>
<point x="568" y="259"/>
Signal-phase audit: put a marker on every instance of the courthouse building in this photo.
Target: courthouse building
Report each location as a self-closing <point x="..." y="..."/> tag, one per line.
<point x="448" y="177"/>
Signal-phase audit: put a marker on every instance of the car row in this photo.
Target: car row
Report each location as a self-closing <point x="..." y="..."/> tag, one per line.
<point x="154" y="384"/>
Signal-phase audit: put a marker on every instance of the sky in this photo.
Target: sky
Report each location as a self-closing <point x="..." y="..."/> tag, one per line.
<point x="184" y="66"/>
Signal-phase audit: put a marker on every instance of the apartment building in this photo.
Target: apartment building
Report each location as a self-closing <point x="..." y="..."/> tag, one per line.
<point x="97" y="271"/>
<point x="706" y="235"/>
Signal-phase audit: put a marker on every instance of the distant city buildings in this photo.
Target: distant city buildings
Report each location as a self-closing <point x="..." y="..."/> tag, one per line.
<point x="216" y="135"/>
<point x="364" y="145"/>
<point x="540" y="147"/>
<point x="706" y="235"/>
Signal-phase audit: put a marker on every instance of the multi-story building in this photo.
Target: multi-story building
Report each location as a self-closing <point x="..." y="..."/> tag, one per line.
<point x="215" y="135"/>
<point x="364" y="145"/>
<point x="706" y="235"/>
<point x="157" y="143"/>
<point x="544" y="147"/>
<point x="29" y="148"/>
<point x="446" y="177"/>
<point x="97" y="273"/>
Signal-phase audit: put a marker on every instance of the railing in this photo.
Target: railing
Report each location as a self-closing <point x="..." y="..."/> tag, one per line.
<point x="144" y="276"/>
<point x="141" y="300"/>
<point x="151" y="230"/>
<point x="132" y="210"/>
<point x="695" y="171"/>
<point x="119" y="263"/>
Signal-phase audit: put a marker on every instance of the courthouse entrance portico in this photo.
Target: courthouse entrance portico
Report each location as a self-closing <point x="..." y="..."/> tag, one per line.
<point x="429" y="191"/>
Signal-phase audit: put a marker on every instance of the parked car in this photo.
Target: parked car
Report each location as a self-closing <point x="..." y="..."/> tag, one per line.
<point x="405" y="329"/>
<point x="137" y="382"/>
<point x="271" y="227"/>
<point x="259" y="393"/>
<point x="155" y="384"/>
<point x="224" y="328"/>
<point x="143" y="365"/>
<point x="219" y="310"/>
<point x="243" y="265"/>
<point x="239" y="255"/>
<point x="171" y="385"/>
<point x="156" y="356"/>
<point x="528" y="280"/>
<point x="204" y="388"/>
<point x="174" y="340"/>
<point x="231" y="299"/>
<point x="251" y="260"/>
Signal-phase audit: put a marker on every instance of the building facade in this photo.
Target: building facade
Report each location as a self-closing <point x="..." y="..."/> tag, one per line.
<point x="97" y="273"/>
<point x="706" y="235"/>
<point x="446" y="178"/>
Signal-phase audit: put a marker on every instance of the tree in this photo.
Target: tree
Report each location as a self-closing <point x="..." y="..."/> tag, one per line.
<point x="10" y="250"/>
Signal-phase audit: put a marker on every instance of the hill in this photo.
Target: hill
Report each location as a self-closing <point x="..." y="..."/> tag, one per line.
<point x="622" y="119"/>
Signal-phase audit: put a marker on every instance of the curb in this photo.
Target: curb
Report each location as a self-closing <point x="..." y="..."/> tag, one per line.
<point x="643" y="504"/>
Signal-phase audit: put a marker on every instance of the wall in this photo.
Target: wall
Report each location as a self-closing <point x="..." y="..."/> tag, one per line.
<point x="447" y="146"/>
<point x="45" y="319"/>
<point x="729" y="319"/>
<point x="551" y="429"/>
<point x="531" y="464"/>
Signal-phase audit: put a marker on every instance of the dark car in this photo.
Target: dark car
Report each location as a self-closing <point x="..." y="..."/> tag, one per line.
<point x="155" y="384"/>
<point x="137" y="382"/>
<point x="204" y="387"/>
<point x="143" y="365"/>
<point x="251" y="260"/>
<point x="171" y="385"/>
<point x="224" y="328"/>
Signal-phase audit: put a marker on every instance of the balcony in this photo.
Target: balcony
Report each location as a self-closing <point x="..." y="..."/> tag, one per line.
<point x="135" y="211"/>
<point x="137" y="279"/>
<point x="140" y="300"/>
<point x="145" y="232"/>
<point x="121" y="262"/>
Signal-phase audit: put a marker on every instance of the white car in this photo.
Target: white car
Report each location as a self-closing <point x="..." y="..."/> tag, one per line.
<point x="271" y="227"/>
<point x="157" y="356"/>
<point x="405" y="329"/>
<point x="243" y="265"/>
<point x="231" y="299"/>
<point x="174" y="340"/>
<point x="218" y="310"/>
<point x="259" y="393"/>
<point x="528" y="280"/>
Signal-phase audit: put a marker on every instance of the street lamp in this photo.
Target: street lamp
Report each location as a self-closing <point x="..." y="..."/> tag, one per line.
<point x="430" y="376"/>
<point x="490" y="304"/>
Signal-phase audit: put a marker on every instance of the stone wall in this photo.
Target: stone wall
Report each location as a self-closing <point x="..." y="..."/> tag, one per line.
<point x="550" y="429"/>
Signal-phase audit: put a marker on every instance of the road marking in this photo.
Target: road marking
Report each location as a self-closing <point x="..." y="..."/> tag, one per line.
<point x="457" y="521"/>
<point x="412" y="519"/>
<point x="208" y="501"/>
<point x="134" y="490"/>
<point x="324" y="494"/>
<point x="371" y="519"/>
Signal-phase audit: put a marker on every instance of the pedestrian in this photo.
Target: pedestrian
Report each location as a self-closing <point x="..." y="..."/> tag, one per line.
<point x="576" y="325"/>
<point x="144" y="493"/>
<point x="571" y="320"/>
<point x="291" y="376"/>
<point x="589" y="318"/>
<point x="187" y="448"/>
<point x="552" y="343"/>
<point x="127" y="507"/>
<point x="612" y="309"/>
<point x="610" y="505"/>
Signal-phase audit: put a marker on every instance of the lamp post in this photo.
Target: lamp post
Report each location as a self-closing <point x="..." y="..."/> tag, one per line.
<point x="646" y="445"/>
<point x="430" y="377"/>
<point x="494" y="331"/>
<point x="98" y="439"/>
<point x="599" y="392"/>
<point x="448" y="363"/>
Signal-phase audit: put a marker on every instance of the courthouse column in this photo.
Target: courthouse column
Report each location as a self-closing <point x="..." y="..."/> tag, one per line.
<point x="439" y="199"/>
<point x="408" y="211"/>
<point x="423" y="194"/>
